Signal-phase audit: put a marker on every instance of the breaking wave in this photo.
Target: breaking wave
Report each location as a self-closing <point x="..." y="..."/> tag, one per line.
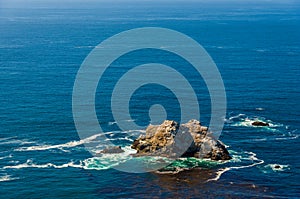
<point x="275" y="168"/>
<point x="103" y="138"/>
<point x="6" y="178"/>
<point x="240" y="160"/>
<point x="254" y="161"/>
<point x="275" y="131"/>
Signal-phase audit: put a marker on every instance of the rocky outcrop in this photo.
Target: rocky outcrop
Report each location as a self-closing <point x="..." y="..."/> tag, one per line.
<point x="258" y="123"/>
<point x="187" y="140"/>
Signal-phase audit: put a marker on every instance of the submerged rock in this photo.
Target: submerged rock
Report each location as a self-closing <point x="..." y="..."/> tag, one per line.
<point x="187" y="140"/>
<point x="115" y="149"/>
<point x="258" y="123"/>
<point x="277" y="166"/>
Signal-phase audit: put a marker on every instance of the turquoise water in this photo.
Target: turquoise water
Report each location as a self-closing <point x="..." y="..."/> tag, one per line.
<point x="255" y="46"/>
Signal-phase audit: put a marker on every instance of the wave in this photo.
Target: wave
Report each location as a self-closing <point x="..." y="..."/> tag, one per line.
<point x="5" y="157"/>
<point x="105" y="161"/>
<point x="90" y="139"/>
<point x="30" y="164"/>
<point x="6" y="178"/>
<point x="112" y="123"/>
<point x="15" y="141"/>
<point x="8" y="138"/>
<point x="87" y="47"/>
<point x="108" y="161"/>
<point x="252" y="157"/>
<point x="247" y="122"/>
<point x="275" y="168"/>
<point x="243" y="120"/>
<point x="84" y="47"/>
<point x="240" y="160"/>
<point x="47" y="147"/>
<point x="260" y="109"/>
<point x="276" y="130"/>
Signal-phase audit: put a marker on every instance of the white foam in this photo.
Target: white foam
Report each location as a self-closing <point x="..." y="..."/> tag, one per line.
<point x="2" y="139"/>
<point x="237" y="116"/>
<point x="104" y="161"/>
<point x="5" y="157"/>
<point x="129" y="120"/>
<point x="84" y="47"/>
<point x="224" y="170"/>
<point x="14" y="140"/>
<point x="260" y="139"/>
<point x="247" y="122"/>
<point x="125" y="138"/>
<point x="275" y="169"/>
<point x="60" y="146"/>
<point x="112" y="123"/>
<point x="30" y="164"/>
<point x="288" y="138"/>
<point x="244" y="120"/>
<point x="6" y="178"/>
<point x="72" y="144"/>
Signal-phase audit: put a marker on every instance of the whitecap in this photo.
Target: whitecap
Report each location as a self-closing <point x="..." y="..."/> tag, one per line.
<point x="239" y="116"/>
<point x="3" y="139"/>
<point x="6" y="178"/>
<point x="275" y="167"/>
<point x="242" y="120"/>
<point x="103" y="161"/>
<point x="9" y="141"/>
<point x="60" y="146"/>
<point x="71" y="144"/>
<point x="260" y="109"/>
<point x="5" y="157"/>
<point x="30" y="164"/>
<point x="84" y="47"/>
<point x="116" y="139"/>
<point x="259" y="139"/>
<point x="106" y="161"/>
<point x="112" y="123"/>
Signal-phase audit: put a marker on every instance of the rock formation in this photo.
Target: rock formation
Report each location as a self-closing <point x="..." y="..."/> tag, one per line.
<point x="187" y="140"/>
<point x="258" y="123"/>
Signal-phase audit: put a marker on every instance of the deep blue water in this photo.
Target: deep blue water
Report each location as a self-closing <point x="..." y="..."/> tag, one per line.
<point x="255" y="46"/>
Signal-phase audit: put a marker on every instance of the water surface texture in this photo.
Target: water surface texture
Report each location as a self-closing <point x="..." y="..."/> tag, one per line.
<point x="255" y="46"/>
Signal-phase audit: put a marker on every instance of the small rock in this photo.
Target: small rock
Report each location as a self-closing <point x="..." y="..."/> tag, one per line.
<point x="277" y="166"/>
<point x="115" y="149"/>
<point x="258" y="123"/>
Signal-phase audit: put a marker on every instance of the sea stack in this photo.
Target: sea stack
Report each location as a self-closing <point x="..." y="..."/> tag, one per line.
<point x="186" y="140"/>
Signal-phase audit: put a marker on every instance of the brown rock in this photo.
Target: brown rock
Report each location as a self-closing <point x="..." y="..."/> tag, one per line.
<point x="187" y="140"/>
<point x="258" y="123"/>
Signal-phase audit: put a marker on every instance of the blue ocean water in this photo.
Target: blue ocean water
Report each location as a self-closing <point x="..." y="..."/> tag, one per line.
<point x="255" y="46"/>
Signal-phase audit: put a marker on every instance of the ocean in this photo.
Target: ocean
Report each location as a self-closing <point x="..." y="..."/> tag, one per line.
<point x="255" y="46"/>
